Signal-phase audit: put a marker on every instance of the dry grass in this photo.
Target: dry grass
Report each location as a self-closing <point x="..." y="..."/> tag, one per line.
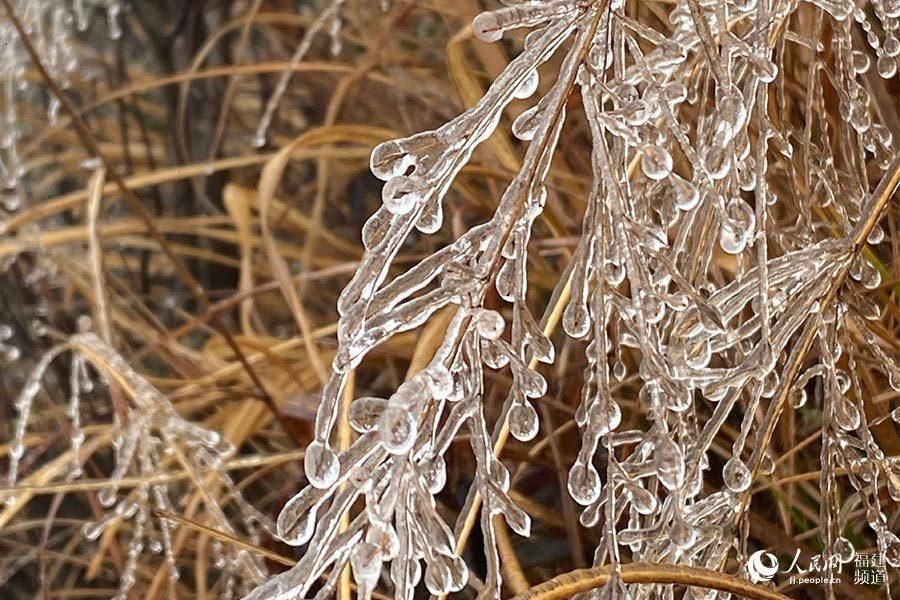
<point x="214" y="269"/>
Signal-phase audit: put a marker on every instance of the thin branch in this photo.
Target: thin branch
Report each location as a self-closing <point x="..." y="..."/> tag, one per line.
<point x="583" y="580"/>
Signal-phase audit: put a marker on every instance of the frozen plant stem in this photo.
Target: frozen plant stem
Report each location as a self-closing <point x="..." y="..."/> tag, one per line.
<point x="721" y="296"/>
<point x="467" y="521"/>
<point x="641" y="272"/>
<point x="582" y="580"/>
<point x="881" y="198"/>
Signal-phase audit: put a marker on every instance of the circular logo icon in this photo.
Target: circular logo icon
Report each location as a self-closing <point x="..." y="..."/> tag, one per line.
<point x="762" y="566"/>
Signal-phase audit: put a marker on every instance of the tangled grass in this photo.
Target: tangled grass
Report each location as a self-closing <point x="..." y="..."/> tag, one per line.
<point x="624" y="313"/>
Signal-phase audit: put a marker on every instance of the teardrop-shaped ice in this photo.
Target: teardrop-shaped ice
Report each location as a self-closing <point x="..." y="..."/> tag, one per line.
<point x="604" y="416"/>
<point x="384" y="537"/>
<point x="364" y="413"/>
<point x="861" y="62"/>
<point x="642" y="499"/>
<point x="459" y="573"/>
<point x="365" y="560"/>
<point x="529" y="86"/>
<point x="527" y="123"/>
<point x="92" y="529"/>
<point x="738" y="227"/>
<point x="397" y="430"/>
<point x="106" y="496"/>
<point x="656" y="162"/>
<point x="297" y="519"/>
<point x="576" y="319"/>
<point x="681" y="532"/>
<point x="736" y="475"/>
<point x="434" y="472"/>
<point x="684" y="194"/>
<point x="322" y="466"/>
<point x="697" y="353"/>
<point x="886" y="65"/>
<point x="499" y="474"/>
<point x="437" y="576"/>
<point x="669" y="462"/>
<point x="523" y="421"/>
<point x="401" y="194"/>
<point x="432" y="216"/>
<point x="389" y="159"/>
<point x="731" y="112"/>
<point x="843" y="549"/>
<point x="489" y="324"/>
<point x="846" y="415"/>
<point x="487" y="27"/>
<point x="584" y="483"/>
<point x="717" y="161"/>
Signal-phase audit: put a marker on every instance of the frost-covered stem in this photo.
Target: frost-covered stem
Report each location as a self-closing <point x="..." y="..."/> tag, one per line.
<point x="466" y="521"/>
<point x="879" y="201"/>
<point x="329" y="15"/>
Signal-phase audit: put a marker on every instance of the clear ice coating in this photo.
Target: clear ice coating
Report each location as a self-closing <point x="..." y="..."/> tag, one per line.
<point x="669" y="194"/>
<point x="147" y="436"/>
<point x="329" y="21"/>
<point x="686" y="126"/>
<point x="54" y="27"/>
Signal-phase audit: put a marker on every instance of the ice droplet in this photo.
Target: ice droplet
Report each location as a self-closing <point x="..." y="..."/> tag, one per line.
<point x="365" y="560"/>
<point x="604" y="416"/>
<point x="523" y="421"/>
<point x="584" y="483"/>
<point x="486" y="27"/>
<point x="844" y="550"/>
<point x="490" y="324"/>
<point x="396" y="430"/>
<point x="656" y="162"/>
<point x="846" y="415"/>
<point x="682" y="533"/>
<point x="529" y="86"/>
<point x="887" y="66"/>
<point x="738" y="227"/>
<point x="322" y="466"/>
<point x="736" y="475"/>
<point x="434" y="472"/>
